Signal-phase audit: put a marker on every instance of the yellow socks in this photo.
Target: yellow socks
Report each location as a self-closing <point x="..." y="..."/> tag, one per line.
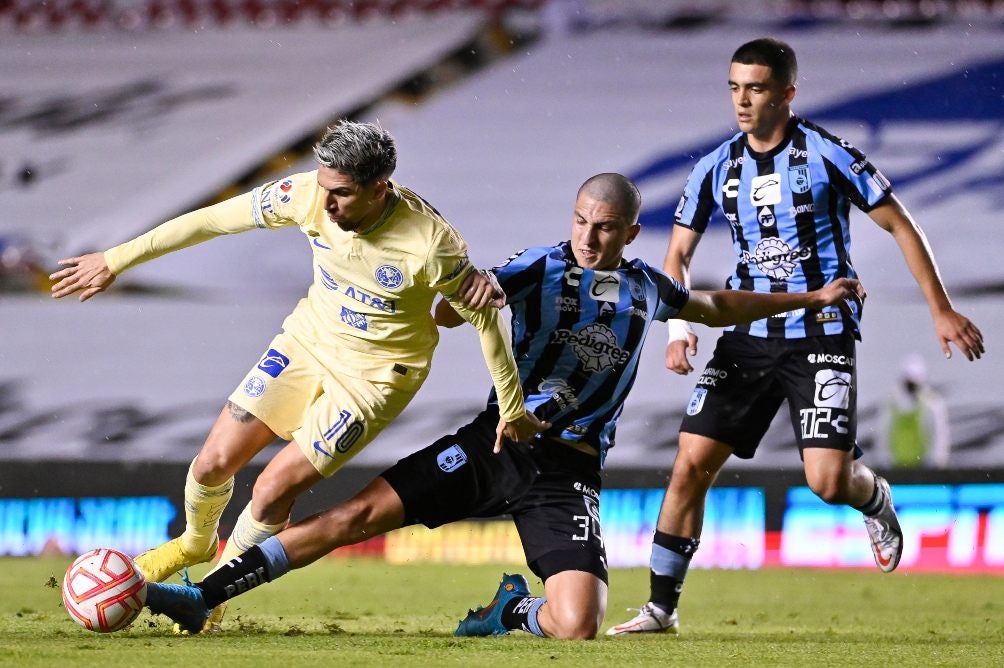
<point x="203" y="507"/>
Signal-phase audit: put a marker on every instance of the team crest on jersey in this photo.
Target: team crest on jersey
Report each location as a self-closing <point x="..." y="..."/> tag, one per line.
<point x="254" y="387"/>
<point x="451" y="459"/>
<point x="389" y="276"/>
<point x="798" y="179"/>
<point x="696" y="401"/>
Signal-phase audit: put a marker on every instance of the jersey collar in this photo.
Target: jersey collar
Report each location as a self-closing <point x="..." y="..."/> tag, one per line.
<point x="789" y="130"/>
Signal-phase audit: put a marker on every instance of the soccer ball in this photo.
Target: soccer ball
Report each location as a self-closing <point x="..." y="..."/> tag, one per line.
<point x="103" y="590"/>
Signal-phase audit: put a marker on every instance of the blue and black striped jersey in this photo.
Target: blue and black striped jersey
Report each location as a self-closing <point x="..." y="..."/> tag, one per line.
<point x="578" y="333"/>
<point x="789" y="215"/>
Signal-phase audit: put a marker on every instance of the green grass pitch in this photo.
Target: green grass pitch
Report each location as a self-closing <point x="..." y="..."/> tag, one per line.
<point x="367" y="613"/>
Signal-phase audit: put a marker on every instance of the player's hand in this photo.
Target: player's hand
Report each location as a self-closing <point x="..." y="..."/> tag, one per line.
<point x="480" y="289"/>
<point x="87" y="274"/>
<point x="953" y="327"/>
<point x="840" y="292"/>
<point x="682" y="341"/>
<point x="519" y="430"/>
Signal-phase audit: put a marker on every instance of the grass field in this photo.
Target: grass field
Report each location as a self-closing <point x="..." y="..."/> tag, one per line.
<point x="366" y="613"/>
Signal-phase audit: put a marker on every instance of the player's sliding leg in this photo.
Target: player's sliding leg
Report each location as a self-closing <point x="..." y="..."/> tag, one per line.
<point x="247" y="533"/>
<point x="512" y="608"/>
<point x="572" y="608"/>
<point x="375" y="510"/>
<point x="677" y="535"/>
<point x="286" y="476"/>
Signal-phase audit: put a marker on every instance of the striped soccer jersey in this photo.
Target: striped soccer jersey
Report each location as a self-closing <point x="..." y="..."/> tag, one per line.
<point x="578" y="334"/>
<point x="788" y="211"/>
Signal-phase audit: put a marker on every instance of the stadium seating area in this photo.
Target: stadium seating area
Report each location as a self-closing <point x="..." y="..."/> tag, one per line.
<point x="32" y="16"/>
<point x="46" y="15"/>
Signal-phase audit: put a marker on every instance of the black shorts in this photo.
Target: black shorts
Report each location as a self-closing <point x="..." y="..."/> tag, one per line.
<point x="551" y="490"/>
<point x="742" y="387"/>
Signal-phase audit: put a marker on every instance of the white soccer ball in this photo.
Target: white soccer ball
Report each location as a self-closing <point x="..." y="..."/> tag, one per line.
<point x="103" y="590"/>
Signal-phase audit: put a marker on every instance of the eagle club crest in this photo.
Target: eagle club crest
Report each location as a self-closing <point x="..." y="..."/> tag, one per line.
<point x="389" y="276"/>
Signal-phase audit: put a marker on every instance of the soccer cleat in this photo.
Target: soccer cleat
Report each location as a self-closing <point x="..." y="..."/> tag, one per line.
<point x="182" y="603"/>
<point x="214" y="623"/>
<point x="487" y="621"/>
<point x="884" y="531"/>
<point x="165" y="560"/>
<point x="650" y="619"/>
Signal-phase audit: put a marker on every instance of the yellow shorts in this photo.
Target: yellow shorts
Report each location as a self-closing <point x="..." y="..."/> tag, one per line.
<point x="331" y="416"/>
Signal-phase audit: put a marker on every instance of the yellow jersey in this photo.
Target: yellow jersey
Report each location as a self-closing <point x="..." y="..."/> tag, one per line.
<point x="369" y="306"/>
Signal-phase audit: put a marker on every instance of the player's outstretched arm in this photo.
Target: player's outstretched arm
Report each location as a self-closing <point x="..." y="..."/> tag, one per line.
<point x="950" y="326"/>
<point x="86" y="274"/>
<point x="93" y="273"/>
<point x="730" y="307"/>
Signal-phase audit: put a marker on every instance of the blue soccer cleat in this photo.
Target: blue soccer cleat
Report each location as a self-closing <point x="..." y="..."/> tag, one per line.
<point x="487" y="621"/>
<point x="184" y="604"/>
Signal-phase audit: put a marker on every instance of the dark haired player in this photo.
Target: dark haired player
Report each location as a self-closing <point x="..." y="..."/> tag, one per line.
<point x="785" y="187"/>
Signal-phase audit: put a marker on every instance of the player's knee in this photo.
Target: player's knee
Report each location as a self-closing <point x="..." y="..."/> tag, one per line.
<point x="214" y="467"/>
<point x="574" y="627"/>
<point x="830" y="488"/>
<point x="270" y="499"/>
<point x="691" y="478"/>
<point x="569" y="622"/>
<point x="357" y="514"/>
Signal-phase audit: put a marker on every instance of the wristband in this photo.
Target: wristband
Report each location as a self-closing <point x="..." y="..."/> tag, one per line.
<point x="679" y="330"/>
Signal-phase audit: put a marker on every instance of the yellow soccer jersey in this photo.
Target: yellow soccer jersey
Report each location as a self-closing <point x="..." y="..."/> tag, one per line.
<point x="370" y="303"/>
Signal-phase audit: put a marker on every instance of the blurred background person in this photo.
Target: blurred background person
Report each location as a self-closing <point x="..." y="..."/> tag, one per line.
<point x="914" y="425"/>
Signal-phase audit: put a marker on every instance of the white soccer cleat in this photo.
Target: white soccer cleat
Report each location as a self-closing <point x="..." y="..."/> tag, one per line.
<point x="884" y="531"/>
<point x="650" y="619"/>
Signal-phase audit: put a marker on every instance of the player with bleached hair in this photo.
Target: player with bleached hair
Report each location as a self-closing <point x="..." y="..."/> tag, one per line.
<point x="580" y="314"/>
<point x="350" y="356"/>
<point x="785" y="186"/>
